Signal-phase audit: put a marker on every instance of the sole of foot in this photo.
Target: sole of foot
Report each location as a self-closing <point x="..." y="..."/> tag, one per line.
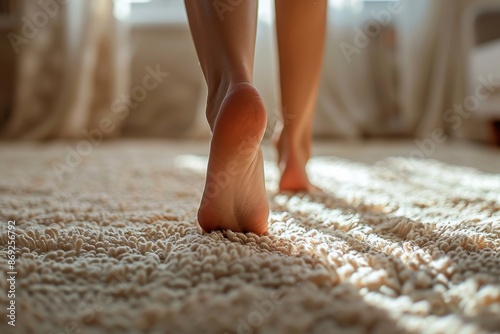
<point x="235" y="196"/>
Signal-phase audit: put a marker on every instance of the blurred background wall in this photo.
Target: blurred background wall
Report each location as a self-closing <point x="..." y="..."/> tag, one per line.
<point x="128" y="68"/>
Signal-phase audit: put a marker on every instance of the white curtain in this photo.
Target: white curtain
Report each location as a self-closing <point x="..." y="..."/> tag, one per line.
<point x="422" y="59"/>
<point x="70" y="71"/>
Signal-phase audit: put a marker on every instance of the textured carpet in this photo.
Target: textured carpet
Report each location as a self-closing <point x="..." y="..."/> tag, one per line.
<point x="114" y="247"/>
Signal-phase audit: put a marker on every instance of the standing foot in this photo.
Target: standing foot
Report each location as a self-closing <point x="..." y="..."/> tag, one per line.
<point x="292" y="161"/>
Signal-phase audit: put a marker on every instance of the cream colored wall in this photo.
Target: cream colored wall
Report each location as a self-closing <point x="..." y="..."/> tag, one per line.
<point x="171" y="107"/>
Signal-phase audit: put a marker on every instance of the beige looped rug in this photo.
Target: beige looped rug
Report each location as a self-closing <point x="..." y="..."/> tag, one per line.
<point x="403" y="246"/>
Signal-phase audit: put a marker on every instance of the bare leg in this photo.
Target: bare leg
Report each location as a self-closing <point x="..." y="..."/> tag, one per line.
<point x="235" y="197"/>
<point x="301" y="28"/>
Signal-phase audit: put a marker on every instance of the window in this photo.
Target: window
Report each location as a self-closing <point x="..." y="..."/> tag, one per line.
<point x="146" y="12"/>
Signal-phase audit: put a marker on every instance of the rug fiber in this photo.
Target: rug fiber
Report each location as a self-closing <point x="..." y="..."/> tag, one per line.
<point x="402" y="246"/>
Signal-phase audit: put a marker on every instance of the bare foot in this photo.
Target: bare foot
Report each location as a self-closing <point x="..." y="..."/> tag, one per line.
<point x="292" y="161"/>
<point x="235" y="196"/>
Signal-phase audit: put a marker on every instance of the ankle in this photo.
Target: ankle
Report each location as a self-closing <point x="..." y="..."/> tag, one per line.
<point x="217" y="91"/>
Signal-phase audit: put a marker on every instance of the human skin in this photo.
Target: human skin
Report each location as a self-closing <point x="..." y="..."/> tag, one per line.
<point x="235" y="197"/>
